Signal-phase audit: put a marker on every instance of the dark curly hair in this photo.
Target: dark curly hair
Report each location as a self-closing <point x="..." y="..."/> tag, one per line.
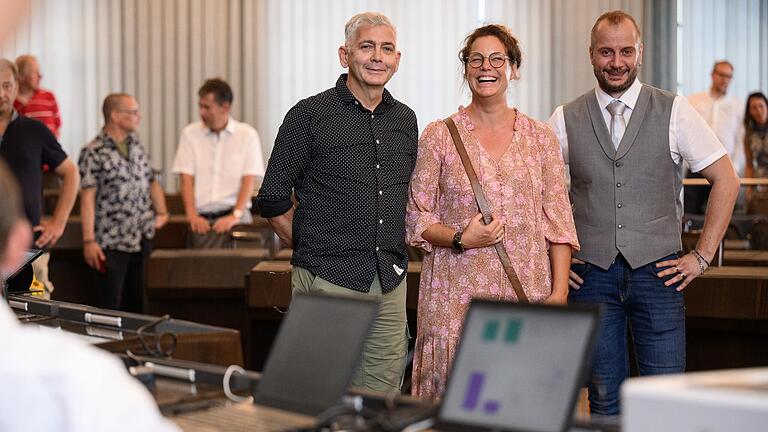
<point x="502" y="33"/>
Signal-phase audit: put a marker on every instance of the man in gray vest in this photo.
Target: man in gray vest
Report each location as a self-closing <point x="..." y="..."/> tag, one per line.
<point x="624" y="143"/>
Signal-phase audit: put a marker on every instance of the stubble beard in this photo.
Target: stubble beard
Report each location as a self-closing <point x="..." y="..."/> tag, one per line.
<point x="613" y="88"/>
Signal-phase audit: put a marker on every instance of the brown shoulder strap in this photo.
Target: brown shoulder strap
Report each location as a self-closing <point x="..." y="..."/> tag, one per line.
<point x="485" y="209"/>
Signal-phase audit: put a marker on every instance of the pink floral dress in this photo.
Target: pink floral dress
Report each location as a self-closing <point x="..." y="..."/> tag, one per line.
<point x="525" y="190"/>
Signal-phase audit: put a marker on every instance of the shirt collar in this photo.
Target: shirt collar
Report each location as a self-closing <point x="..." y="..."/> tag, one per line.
<point x="629" y="97"/>
<point x="229" y="128"/>
<point x="348" y="98"/>
<point x="106" y="139"/>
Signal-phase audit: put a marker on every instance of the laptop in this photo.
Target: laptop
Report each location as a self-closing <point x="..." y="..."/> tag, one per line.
<point x="19" y="278"/>
<point x="315" y="355"/>
<point x="518" y="367"/>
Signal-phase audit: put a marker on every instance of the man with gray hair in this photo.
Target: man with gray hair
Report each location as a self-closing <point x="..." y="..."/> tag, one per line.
<point x="624" y="143"/>
<point x="27" y="145"/>
<point x="347" y="155"/>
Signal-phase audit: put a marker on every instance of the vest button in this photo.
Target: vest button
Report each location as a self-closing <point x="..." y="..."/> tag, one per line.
<point x="618" y="184"/>
<point x="619" y="164"/>
<point x="620" y="226"/>
<point x="619" y="205"/>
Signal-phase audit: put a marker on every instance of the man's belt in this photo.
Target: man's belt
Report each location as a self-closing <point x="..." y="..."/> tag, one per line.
<point x="216" y="215"/>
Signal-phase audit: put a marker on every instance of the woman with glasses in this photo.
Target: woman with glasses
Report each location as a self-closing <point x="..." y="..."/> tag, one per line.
<point x="520" y="168"/>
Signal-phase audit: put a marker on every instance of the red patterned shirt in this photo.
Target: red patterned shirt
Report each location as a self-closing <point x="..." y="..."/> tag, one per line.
<point x="43" y="107"/>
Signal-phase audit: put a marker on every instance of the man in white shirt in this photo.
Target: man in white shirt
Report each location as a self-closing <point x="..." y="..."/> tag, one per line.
<point x="49" y="380"/>
<point x="219" y="160"/>
<point x="724" y="114"/>
<point x="624" y="144"/>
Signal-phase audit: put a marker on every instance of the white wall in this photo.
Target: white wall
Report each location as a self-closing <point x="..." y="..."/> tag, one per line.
<point x="276" y="52"/>
<point x="731" y="30"/>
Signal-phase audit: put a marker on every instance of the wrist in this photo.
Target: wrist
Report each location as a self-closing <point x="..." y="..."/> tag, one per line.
<point x="456" y="244"/>
<point x="700" y="260"/>
<point x="88" y="241"/>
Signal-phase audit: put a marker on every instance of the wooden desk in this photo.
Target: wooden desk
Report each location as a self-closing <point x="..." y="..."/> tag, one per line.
<point x="727" y="318"/>
<point x="745" y="257"/>
<point x="268" y="295"/>
<point x="203" y="285"/>
<point x="269" y="285"/>
<point x="194" y="341"/>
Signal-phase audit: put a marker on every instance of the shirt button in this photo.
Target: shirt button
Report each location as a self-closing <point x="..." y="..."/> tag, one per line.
<point x="381" y="221"/>
<point x="619" y="164"/>
<point x="377" y="248"/>
<point x="378" y="166"/>
<point x="377" y="141"/>
<point x="620" y="226"/>
<point x="381" y="192"/>
<point x="372" y="116"/>
<point x="618" y="184"/>
<point x="357" y="103"/>
<point x="619" y="205"/>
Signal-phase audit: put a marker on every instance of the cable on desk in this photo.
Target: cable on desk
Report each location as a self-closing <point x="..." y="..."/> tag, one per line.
<point x="232" y="369"/>
<point x="157" y="350"/>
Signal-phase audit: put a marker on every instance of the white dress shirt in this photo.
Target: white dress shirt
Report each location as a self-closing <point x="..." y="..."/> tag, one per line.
<point x="218" y="162"/>
<point x="690" y="138"/>
<point x="725" y="115"/>
<point x="51" y="381"/>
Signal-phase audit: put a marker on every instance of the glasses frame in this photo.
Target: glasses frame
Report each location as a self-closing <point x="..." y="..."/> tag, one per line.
<point x="129" y="111"/>
<point x="496" y="56"/>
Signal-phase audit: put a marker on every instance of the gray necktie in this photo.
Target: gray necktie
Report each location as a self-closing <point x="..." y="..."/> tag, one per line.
<point x="618" y="125"/>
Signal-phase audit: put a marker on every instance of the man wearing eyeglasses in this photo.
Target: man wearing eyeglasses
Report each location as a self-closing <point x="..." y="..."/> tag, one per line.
<point x="121" y="205"/>
<point x="724" y="114"/>
<point x="347" y="154"/>
<point x="27" y="145"/>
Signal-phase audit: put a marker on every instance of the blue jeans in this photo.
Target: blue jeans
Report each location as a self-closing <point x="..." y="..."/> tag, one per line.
<point x="656" y="316"/>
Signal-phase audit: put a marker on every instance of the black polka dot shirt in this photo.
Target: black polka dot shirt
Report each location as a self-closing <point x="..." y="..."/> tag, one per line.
<point x="349" y="169"/>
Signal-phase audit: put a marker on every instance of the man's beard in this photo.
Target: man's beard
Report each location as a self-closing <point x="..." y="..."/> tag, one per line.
<point x="613" y="88"/>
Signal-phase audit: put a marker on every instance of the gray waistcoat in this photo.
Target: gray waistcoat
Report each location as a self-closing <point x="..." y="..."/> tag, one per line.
<point x="624" y="201"/>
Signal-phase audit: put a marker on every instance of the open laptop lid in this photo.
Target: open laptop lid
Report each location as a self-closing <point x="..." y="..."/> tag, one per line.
<point x="518" y="367"/>
<point x="20" y="278"/>
<point x="316" y="353"/>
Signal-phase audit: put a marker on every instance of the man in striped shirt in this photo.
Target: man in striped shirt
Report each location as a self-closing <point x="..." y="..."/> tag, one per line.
<point x="32" y="101"/>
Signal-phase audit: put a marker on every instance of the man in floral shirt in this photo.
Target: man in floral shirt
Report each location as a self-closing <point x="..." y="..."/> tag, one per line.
<point x="118" y="193"/>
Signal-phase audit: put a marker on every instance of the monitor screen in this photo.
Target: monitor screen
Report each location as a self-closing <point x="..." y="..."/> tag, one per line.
<point x="29" y="256"/>
<point x="518" y="367"/>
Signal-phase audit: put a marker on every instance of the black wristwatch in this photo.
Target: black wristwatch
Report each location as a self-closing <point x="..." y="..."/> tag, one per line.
<point x="457" y="245"/>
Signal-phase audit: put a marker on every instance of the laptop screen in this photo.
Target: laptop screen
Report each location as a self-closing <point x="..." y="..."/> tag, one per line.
<point x="316" y="353"/>
<point x="29" y="256"/>
<point x="518" y="367"/>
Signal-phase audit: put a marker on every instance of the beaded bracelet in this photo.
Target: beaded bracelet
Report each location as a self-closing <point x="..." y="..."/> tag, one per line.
<point x="703" y="263"/>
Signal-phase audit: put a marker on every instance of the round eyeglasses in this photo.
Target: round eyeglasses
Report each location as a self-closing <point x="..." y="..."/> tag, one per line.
<point x="496" y="60"/>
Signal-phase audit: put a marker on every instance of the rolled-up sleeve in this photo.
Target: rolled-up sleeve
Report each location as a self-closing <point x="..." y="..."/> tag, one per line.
<point x="289" y="157"/>
<point x="421" y="212"/>
<point x="558" y="215"/>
